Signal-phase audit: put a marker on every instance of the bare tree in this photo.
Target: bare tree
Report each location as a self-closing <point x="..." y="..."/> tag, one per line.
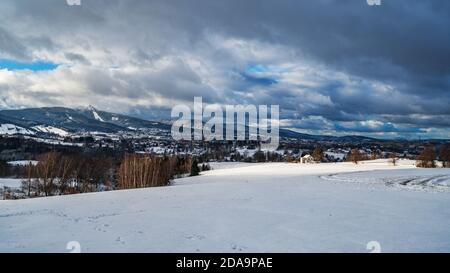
<point x="393" y="159"/>
<point x="318" y="154"/>
<point x="444" y="156"/>
<point x="195" y="170"/>
<point x="426" y="158"/>
<point x="30" y="173"/>
<point x="355" y="156"/>
<point x="47" y="172"/>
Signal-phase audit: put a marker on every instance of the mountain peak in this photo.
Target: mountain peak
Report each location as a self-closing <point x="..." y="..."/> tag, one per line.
<point x="91" y="108"/>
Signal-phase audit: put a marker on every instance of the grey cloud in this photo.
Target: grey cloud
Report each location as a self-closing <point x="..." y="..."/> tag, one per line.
<point x="439" y="121"/>
<point x="41" y="42"/>
<point x="402" y="44"/>
<point x="77" y="58"/>
<point x="11" y="46"/>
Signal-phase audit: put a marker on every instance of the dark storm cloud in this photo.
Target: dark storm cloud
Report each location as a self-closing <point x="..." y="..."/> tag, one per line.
<point x="400" y="38"/>
<point x="389" y="63"/>
<point x="403" y="43"/>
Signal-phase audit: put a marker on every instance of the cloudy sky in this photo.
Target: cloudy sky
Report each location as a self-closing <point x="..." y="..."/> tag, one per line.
<point x="334" y="66"/>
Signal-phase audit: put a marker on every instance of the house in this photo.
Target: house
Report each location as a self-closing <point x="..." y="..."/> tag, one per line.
<point x="306" y="159"/>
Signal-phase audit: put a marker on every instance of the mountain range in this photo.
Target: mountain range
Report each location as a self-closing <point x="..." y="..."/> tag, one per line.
<point x="62" y="121"/>
<point x="74" y="120"/>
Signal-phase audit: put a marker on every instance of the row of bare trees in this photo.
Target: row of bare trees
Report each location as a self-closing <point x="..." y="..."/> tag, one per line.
<point x="60" y="174"/>
<point x="427" y="159"/>
<point x="140" y="171"/>
<point x="57" y="174"/>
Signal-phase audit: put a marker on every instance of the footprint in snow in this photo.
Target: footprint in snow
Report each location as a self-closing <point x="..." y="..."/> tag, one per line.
<point x="119" y="240"/>
<point x="236" y="247"/>
<point x="195" y="237"/>
<point x="100" y="229"/>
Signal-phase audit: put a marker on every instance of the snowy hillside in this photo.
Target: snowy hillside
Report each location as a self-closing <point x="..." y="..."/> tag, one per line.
<point x="51" y="130"/>
<point x="274" y="207"/>
<point x="61" y="121"/>
<point x="11" y="129"/>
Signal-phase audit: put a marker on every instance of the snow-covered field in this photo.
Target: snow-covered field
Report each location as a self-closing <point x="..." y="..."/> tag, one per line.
<point x="230" y="165"/>
<point x="10" y="183"/>
<point x="273" y="207"/>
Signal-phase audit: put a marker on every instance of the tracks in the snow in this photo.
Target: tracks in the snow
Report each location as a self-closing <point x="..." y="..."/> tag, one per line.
<point x="432" y="182"/>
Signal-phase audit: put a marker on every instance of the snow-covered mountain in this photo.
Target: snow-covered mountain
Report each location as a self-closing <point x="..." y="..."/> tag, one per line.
<point x="61" y="121"/>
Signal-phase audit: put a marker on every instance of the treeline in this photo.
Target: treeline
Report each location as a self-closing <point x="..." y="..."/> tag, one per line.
<point x="59" y="174"/>
<point x="7" y="170"/>
<point x="426" y="159"/>
<point x="429" y="155"/>
<point x="258" y="156"/>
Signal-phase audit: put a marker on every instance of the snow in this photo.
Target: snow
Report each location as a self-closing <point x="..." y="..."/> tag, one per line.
<point x="10" y="183"/>
<point x="251" y="152"/>
<point x="54" y="141"/>
<point x="270" y="207"/>
<point x="11" y="129"/>
<point x="337" y="156"/>
<point x="158" y="150"/>
<point x="23" y="162"/>
<point x="230" y="165"/>
<point x="97" y="116"/>
<point x="51" y="130"/>
<point x="246" y="152"/>
<point x="428" y="180"/>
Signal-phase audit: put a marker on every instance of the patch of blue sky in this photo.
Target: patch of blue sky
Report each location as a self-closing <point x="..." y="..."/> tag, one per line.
<point x="257" y="68"/>
<point x="259" y="80"/>
<point x="266" y="69"/>
<point x="39" y="65"/>
<point x="260" y="74"/>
